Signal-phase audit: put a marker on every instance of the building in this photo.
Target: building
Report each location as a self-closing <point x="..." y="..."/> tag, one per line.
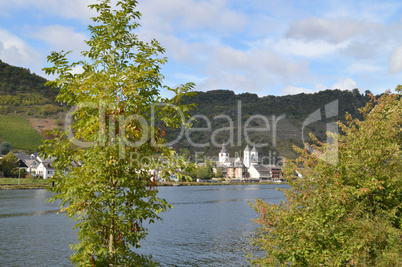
<point x="246" y="168"/>
<point x="27" y="162"/>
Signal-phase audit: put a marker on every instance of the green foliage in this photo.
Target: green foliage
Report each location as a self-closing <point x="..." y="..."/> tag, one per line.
<point x="15" y="80"/>
<point x="5" y="147"/>
<point x="48" y="109"/>
<point x="347" y="209"/>
<point x="205" y="171"/>
<point x="25" y="181"/>
<point x="218" y="173"/>
<point x="19" y="133"/>
<point x="4" y="110"/>
<point x="112" y="193"/>
<point x="23" y="92"/>
<point x="9" y="165"/>
<point x="23" y="99"/>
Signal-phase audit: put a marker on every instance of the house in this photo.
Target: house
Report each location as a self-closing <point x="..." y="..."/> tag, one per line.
<point x="265" y="172"/>
<point x="44" y="167"/>
<point x="27" y="162"/>
<point x="37" y="166"/>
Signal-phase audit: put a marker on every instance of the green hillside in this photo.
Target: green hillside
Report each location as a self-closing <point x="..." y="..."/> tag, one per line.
<point x="19" y="133"/>
<point x="241" y="107"/>
<point x="23" y="95"/>
<point x="23" y="98"/>
<point x="15" y="80"/>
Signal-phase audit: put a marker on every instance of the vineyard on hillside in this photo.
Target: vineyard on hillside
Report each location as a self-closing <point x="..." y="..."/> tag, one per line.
<point x="19" y="133"/>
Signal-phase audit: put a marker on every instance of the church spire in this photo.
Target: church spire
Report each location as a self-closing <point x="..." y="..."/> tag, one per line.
<point x="223" y="155"/>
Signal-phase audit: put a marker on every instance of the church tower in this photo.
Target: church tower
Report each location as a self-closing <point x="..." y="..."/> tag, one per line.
<point x="223" y="155"/>
<point x="246" y="160"/>
<point x="254" y="156"/>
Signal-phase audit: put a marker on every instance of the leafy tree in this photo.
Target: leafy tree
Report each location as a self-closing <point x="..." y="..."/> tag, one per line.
<point x="5" y="147"/>
<point x="205" y="171"/>
<point x="356" y="92"/>
<point x="9" y="165"/>
<point x="218" y="173"/>
<point x="116" y="135"/>
<point x="346" y="210"/>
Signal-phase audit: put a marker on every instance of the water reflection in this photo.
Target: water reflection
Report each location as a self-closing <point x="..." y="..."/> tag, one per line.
<point x="32" y="233"/>
<point x="40" y="212"/>
<point x="212" y="229"/>
<point x="208" y="226"/>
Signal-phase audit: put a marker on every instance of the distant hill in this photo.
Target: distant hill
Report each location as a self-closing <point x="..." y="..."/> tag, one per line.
<point x="24" y="94"/>
<point x="27" y="107"/>
<point x="17" y="80"/>
<point x="279" y="140"/>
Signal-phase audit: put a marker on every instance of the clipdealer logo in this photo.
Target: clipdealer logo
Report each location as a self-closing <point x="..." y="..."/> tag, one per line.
<point x="330" y="155"/>
<point x="107" y="135"/>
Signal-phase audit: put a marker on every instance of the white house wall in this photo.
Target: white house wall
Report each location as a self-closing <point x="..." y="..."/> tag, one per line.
<point x="46" y="173"/>
<point x="254" y="174"/>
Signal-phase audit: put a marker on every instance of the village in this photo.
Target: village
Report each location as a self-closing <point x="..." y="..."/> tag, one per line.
<point x="248" y="168"/>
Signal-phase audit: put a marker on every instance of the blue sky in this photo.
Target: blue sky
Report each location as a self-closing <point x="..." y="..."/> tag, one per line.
<point x="260" y="46"/>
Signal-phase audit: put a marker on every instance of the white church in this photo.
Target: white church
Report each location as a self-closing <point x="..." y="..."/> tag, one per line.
<point x="246" y="168"/>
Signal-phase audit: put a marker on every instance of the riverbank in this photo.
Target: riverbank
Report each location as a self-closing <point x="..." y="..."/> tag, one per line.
<point x="22" y="183"/>
<point x="22" y="186"/>
<point x="12" y="183"/>
<point x="213" y="183"/>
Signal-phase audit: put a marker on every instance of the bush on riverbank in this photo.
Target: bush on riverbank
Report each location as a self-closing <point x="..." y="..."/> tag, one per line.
<point x="346" y="209"/>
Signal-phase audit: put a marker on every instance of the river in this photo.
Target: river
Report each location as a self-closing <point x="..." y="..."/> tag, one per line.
<point x="207" y="226"/>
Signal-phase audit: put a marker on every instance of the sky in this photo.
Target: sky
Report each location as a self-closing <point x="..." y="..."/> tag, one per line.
<point x="267" y="47"/>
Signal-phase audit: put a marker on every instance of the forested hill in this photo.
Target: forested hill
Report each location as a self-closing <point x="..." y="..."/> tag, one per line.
<point x="289" y="131"/>
<point x="27" y="108"/>
<point x="298" y="106"/>
<point x="24" y="94"/>
<point x="17" y="80"/>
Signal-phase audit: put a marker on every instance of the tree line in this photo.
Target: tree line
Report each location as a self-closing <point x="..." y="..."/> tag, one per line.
<point x="17" y="79"/>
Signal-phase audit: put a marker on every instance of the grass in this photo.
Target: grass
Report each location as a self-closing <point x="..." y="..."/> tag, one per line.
<point x="12" y="183"/>
<point x="22" y="181"/>
<point x="19" y="133"/>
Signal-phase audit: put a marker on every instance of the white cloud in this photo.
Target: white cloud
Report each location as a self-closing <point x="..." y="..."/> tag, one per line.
<point x="169" y="16"/>
<point x="396" y="60"/>
<point x="15" y="51"/>
<point x="378" y="11"/>
<point x="77" y="9"/>
<point x="331" y="30"/>
<point x="259" y="62"/>
<point x="293" y="90"/>
<point x="320" y="87"/>
<point x="309" y="49"/>
<point x="179" y="50"/>
<point x="61" y="38"/>
<point x="363" y="49"/>
<point x="252" y="70"/>
<point x="345" y="84"/>
<point x="360" y="67"/>
<point x="77" y="70"/>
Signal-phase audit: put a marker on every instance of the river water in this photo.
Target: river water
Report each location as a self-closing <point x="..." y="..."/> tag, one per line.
<point x="207" y="226"/>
